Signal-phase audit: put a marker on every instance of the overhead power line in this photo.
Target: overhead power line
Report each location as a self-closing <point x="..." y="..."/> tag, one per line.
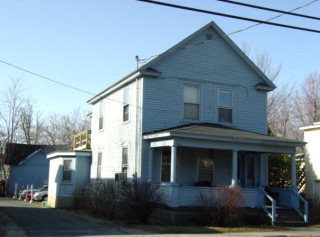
<point x="46" y="78"/>
<point x="144" y="60"/>
<point x="272" y="9"/>
<point x="230" y="16"/>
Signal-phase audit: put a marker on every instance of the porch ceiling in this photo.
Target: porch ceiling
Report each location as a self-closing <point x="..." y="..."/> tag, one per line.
<point x="219" y="133"/>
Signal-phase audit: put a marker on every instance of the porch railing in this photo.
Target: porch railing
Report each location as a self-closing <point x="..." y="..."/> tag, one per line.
<point x="296" y="201"/>
<point x="262" y="195"/>
<point x="291" y="198"/>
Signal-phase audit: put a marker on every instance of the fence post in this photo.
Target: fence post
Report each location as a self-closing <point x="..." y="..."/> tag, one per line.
<point x="31" y="193"/>
<point x="26" y="197"/>
<point x="15" y="191"/>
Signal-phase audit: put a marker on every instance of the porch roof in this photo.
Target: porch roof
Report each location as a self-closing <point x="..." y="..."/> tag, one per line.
<point x="220" y="133"/>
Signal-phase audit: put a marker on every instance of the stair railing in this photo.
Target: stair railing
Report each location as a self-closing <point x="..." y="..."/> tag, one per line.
<point x="296" y="200"/>
<point x="262" y="195"/>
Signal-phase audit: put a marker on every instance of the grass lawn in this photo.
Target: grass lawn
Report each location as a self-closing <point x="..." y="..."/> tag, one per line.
<point x="172" y="229"/>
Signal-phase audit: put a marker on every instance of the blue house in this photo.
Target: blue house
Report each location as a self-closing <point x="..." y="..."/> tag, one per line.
<point x="191" y="120"/>
<point x="26" y="165"/>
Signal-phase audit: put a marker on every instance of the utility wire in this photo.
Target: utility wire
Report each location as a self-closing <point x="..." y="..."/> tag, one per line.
<point x="144" y="60"/>
<point x="272" y="9"/>
<point x="44" y="77"/>
<point x="230" y="16"/>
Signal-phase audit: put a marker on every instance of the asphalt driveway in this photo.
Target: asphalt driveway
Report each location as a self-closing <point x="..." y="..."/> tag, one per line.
<point x="37" y="221"/>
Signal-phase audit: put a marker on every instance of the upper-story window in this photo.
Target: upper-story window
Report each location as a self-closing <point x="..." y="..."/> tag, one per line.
<point x="99" y="162"/>
<point x="191" y="102"/>
<point x="101" y="112"/>
<point x="66" y="172"/>
<point x="126" y="104"/>
<point x="225" y="106"/>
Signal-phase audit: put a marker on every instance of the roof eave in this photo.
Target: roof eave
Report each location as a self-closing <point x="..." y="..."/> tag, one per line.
<point x="162" y="135"/>
<point x="121" y="83"/>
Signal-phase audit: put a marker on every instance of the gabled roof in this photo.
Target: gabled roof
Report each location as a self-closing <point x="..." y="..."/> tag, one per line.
<point x="268" y="84"/>
<point x="15" y="153"/>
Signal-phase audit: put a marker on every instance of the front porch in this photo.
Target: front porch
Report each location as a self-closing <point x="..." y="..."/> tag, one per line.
<point x="189" y="161"/>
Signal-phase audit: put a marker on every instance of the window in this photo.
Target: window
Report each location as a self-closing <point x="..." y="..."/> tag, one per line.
<point x="124" y="168"/>
<point x="165" y="165"/>
<point x="99" y="161"/>
<point x="205" y="165"/>
<point x="101" y="112"/>
<point x="191" y="102"/>
<point x="66" y="174"/>
<point x="225" y="106"/>
<point x="126" y="104"/>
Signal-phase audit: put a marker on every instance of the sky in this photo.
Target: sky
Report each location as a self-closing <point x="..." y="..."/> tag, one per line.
<point x="90" y="44"/>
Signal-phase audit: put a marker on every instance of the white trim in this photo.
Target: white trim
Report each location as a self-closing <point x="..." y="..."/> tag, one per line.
<point x="68" y="153"/>
<point x="222" y="139"/>
<point x="162" y="143"/>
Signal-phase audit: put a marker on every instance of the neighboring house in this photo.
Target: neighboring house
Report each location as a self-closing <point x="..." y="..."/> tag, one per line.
<point x="190" y="120"/>
<point x="312" y="161"/>
<point x="26" y="165"/>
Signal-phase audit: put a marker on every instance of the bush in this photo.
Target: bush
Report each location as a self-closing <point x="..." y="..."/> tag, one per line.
<point x="222" y="206"/>
<point x="100" y="198"/>
<point x="140" y="199"/>
<point x="314" y="207"/>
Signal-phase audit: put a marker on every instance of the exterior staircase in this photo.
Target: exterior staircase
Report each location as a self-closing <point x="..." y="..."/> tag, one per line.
<point x="288" y="217"/>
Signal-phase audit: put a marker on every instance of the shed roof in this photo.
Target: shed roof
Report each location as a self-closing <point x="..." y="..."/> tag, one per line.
<point x="16" y="152"/>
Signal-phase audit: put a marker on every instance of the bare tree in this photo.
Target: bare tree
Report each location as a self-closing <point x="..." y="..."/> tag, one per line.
<point x="60" y="128"/>
<point x="31" y="124"/>
<point x="279" y="107"/>
<point x="307" y="100"/>
<point x="11" y="105"/>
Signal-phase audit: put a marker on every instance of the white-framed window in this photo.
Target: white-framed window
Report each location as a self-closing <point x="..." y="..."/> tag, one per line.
<point x="225" y="107"/>
<point x="99" y="165"/>
<point x="191" y="102"/>
<point x="165" y="165"/>
<point x="126" y="104"/>
<point x="124" y="165"/>
<point x="101" y="113"/>
<point x="67" y="170"/>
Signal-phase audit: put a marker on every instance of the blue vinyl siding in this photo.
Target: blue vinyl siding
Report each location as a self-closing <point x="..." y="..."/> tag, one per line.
<point x="212" y="66"/>
<point x="34" y="170"/>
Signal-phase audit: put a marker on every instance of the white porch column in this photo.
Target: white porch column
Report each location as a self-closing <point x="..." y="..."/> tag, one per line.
<point x="293" y="170"/>
<point x="173" y="171"/>
<point x="150" y="164"/>
<point x="234" y="168"/>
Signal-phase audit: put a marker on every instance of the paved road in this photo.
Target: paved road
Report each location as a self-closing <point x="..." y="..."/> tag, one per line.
<point x="38" y="221"/>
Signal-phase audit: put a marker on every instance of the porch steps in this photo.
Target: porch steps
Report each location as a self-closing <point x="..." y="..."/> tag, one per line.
<point x="289" y="218"/>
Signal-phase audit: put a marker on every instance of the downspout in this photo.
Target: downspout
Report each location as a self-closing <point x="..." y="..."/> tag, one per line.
<point x="138" y="130"/>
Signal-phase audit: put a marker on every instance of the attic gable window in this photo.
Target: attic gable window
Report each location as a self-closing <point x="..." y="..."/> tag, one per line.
<point x="225" y="109"/>
<point x="101" y="112"/>
<point x="191" y="102"/>
<point x="126" y="104"/>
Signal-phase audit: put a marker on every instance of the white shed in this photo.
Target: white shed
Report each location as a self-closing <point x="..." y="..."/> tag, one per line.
<point x="67" y="170"/>
<point x="312" y="159"/>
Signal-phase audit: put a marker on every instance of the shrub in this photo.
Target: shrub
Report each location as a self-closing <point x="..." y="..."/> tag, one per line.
<point x="140" y="199"/>
<point x="98" y="198"/>
<point x="314" y="206"/>
<point x="222" y="206"/>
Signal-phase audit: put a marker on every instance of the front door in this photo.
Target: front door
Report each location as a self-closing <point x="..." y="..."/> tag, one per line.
<point x="249" y="170"/>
